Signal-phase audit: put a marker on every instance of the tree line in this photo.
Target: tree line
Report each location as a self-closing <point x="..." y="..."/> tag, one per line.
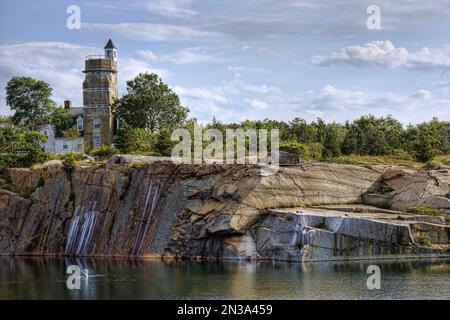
<point x="150" y="110"/>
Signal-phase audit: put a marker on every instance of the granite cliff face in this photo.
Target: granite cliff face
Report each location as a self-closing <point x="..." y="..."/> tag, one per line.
<point x="147" y="207"/>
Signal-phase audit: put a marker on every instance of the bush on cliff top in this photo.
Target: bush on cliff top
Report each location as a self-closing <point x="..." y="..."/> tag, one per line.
<point x="69" y="160"/>
<point x="20" y="148"/>
<point x="104" y="152"/>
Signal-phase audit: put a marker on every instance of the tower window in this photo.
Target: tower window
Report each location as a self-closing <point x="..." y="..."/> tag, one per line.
<point x="97" y="141"/>
<point x="97" y="123"/>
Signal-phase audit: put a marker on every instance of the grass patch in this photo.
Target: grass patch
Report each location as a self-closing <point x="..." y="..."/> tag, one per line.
<point x="425" y="239"/>
<point x="424" y="211"/>
<point x="375" y="160"/>
<point x="441" y="160"/>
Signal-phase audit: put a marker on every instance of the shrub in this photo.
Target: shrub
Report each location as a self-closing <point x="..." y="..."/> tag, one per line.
<point x="134" y="140"/>
<point x="311" y="151"/>
<point x="69" y="159"/>
<point x="425" y="239"/>
<point x="424" y="211"/>
<point x="104" y="152"/>
<point x="71" y="132"/>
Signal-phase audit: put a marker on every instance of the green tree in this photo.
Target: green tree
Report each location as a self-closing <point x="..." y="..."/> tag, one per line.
<point x="133" y="140"/>
<point x="62" y="121"/>
<point x="150" y="104"/>
<point x="30" y="101"/>
<point x="164" y="144"/>
<point x="20" y="148"/>
<point x="425" y="140"/>
<point x="333" y="137"/>
<point x="71" y="133"/>
<point x="373" y="136"/>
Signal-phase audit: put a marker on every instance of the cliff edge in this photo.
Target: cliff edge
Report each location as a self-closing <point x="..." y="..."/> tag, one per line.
<point x="137" y="206"/>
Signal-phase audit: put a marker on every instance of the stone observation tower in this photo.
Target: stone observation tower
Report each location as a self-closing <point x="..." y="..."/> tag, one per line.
<point x="100" y="90"/>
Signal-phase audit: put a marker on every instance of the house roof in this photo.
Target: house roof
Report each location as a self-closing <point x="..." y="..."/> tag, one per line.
<point x="110" y="45"/>
<point x="77" y="111"/>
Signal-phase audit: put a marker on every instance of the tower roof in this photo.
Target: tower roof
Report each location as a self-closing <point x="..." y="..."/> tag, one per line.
<point x="110" y="45"/>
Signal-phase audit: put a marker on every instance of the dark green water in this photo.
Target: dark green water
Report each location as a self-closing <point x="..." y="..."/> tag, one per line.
<point x="45" y="278"/>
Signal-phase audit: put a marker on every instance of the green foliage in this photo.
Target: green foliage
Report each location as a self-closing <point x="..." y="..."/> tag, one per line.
<point x="312" y="151"/>
<point x="62" y="122"/>
<point x="20" y="148"/>
<point x="333" y="137"/>
<point x="104" y="152"/>
<point x="150" y="104"/>
<point x="425" y="239"/>
<point x="5" y="121"/>
<point x="164" y="145"/>
<point x="30" y="101"/>
<point x="295" y="148"/>
<point x="71" y="133"/>
<point x="427" y="140"/>
<point x="134" y="140"/>
<point x="69" y="160"/>
<point x="367" y="140"/>
<point x="424" y="211"/>
<point x="373" y="136"/>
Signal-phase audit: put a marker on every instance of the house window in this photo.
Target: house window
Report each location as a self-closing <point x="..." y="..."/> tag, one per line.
<point x="97" y="123"/>
<point x="97" y="141"/>
<point x="80" y="124"/>
<point x="65" y="146"/>
<point x="46" y="133"/>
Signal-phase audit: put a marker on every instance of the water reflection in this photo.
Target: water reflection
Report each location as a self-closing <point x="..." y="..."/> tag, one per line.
<point x="45" y="278"/>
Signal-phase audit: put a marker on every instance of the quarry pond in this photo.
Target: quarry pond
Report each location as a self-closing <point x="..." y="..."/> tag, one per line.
<point x="46" y="278"/>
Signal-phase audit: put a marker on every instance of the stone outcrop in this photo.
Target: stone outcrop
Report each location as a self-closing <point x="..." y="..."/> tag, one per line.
<point x="139" y="206"/>
<point x="408" y="188"/>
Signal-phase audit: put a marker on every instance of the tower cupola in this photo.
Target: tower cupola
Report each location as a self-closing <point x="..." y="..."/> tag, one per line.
<point x="111" y="50"/>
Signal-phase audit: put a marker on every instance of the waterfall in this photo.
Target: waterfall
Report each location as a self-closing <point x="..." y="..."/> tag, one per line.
<point x="149" y="191"/>
<point x="82" y="230"/>
<point x="153" y="194"/>
<point x="152" y="209"/>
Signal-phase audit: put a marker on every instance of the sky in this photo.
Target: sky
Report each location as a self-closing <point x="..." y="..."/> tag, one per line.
<point x="245" y="59"/>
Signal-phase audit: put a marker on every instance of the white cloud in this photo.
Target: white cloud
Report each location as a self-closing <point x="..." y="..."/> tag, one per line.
<point x="386" y="54"/>
<point x="57" y="63"/>
<point x="247" y="69"/>
<point x="146" y="55"/>
<point x="183" y="56"/>
<point x="60" y="64"/>
<point x="423" y="94"/>
<point x="131" y="67"/>
<point x="200" y="93"/>
<point x="188" y="56"/>
<point x="329" y="102"/>
<point x="256" y="104"/>
<point x="170" y="8"/>
<point x="152" y="31"/>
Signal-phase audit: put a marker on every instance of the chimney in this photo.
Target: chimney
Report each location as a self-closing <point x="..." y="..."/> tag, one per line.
<point x="67" y="104"/>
